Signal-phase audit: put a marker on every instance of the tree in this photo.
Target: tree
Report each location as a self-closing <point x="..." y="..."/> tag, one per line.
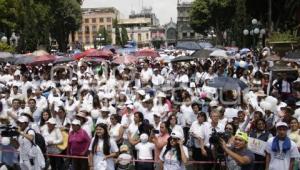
<point x="216" y="14"/>
<point x="124" y="36"/>
<point x="106" y="37"/>
<point x="66" y="19"/>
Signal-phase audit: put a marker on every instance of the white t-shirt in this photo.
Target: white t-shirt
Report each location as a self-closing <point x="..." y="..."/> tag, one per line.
<point x="281" y="160"/>
<point x="170" y="159"/>
<point x="145" y="150"/>
<point x="207" y="130"/>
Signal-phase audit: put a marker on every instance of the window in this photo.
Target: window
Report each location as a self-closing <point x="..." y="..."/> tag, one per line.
<point x="94" y="28"/>
<point x="93" y="20"/>
<point x="101" y="20"/>
<point x="80" y="39"/>
<point x="147" y="36"/>
<point x="86" y="20"/>
<point x="192" y="34"/>
<point x="87" y="29"/>
<point x="108" y="27"/>
<point x="87" y="39"/>
<point x="108" y="19"/>
<point x="139" y="37"/>
<point x="184" y="35"/>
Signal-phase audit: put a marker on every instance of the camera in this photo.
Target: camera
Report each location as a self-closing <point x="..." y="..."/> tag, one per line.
<point x="216" y="136"/>
<point x="9" y="131"/>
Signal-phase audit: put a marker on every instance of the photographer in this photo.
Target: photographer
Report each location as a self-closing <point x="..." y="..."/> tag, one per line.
<point x="238" y="156"/>
<point x="25" y="141"/>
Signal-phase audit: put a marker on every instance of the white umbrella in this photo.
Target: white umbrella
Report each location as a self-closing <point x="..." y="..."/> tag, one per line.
<point x="219" y="53"/>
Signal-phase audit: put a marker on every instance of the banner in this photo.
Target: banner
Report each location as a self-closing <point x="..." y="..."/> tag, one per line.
<point x="257" y="146"/>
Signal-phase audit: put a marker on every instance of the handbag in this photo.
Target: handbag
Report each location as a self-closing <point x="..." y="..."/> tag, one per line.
<point x="63" y="146"/>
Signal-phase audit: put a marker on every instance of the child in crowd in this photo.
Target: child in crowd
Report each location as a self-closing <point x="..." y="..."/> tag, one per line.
<point x="145" y="153"/>
<point x="124" y="159"/>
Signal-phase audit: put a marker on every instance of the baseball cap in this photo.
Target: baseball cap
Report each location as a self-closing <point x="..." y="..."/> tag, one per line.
<point x="279" y="124"/>
<point x="76" y="122"/>
<point x="23" y="119"/>
<point x="52" y="121"/>
<point x="242" y="135"/>
<point x="177" y="134"/>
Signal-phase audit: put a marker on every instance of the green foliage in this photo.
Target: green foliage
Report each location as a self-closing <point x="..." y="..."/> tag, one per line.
<point x="124" y="36"/>
<point x="105" y="35"/>
<point x="282" y="37"/>
<point x="117" y="32"/>
<point x="6" y="48"/>
<point x="66" y="19"/>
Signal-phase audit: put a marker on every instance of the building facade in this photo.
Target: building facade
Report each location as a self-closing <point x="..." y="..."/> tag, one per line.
<point x="139" y="26"/>
<point x="184" y="29"/>
<point x="93" y="19"/>
<point x="171" y="33"/>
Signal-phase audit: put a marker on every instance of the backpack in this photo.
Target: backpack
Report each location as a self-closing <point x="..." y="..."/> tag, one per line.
<point x="40" y="141"/>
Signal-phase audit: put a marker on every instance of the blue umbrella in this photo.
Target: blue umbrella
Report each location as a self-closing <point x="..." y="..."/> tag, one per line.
<point x="188" y="45"/>
<point x="227" y="83"/>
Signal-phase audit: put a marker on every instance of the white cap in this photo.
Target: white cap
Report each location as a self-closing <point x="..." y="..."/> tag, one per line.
<point x="192" y="84"/>
<point x="67" y="88"/>
<point x="144" y="138"/>
<point x="74" y="78"/>
<point x="141" y="92"/>
<point x="213" y="103"/>
<point x="161" y="94"/>
<point x="130" y="106"/>
<point x="177" y="134"/>
<point x="278" y="124"/>
<point x="76" y="122"/>
<point x="23" y="119"/>
<point x="52" y="121"/>
<point x="147" y="98"/>
<point x="297" y="103"/>
<point x="104" y="109"/>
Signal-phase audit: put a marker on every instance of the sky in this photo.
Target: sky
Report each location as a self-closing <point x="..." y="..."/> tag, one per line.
<point x="164" y="9"/>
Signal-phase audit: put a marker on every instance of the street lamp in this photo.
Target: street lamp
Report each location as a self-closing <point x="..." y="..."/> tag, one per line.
<point x="4" y="39"/>
<point x="254" y="31"/>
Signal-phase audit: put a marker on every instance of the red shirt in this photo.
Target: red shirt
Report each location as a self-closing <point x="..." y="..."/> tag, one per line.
<point x="78" y="142"/>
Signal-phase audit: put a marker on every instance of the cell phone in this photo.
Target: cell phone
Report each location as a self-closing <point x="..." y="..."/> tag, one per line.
<point x="155" y="131"/>
<point x="31" y="162"/>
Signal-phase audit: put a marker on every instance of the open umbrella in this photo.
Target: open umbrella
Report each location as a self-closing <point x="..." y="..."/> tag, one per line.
<point x="6" y="57"/>
<point x="39" y="53"/>
<point x="78" y="56"/>
<point x="219" y="53"/>
<point x="146" y="53"/>
<point x="188" y="45"/>
<point x="35" y="60"/>
<point x="101" y="54"/>
<point x="244" y="50"/>
<point x="63" y="59"/>
<point x="202" y="54"/>
<point x="182" y="59"/>
<point x="227" y="83"/>
<point x="124" y="59"/>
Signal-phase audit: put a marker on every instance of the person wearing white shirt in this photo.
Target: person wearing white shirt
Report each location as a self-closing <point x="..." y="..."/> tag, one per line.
<point x="53" y="137"/>
<point x="195" y="133"/>
<point x="205" y="134"/>
<point x="157" y="79"/>
<point x="116" y="130"/>
<point x="41" y="101"/>
<point x="144" y="152"/>
<point x="281" y="151"/>
<point x="146" y="74"/>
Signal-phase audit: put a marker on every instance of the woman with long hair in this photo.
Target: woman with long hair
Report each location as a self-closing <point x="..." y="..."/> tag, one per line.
<point x="174" y="155"/>
<point x="102" y="149"/>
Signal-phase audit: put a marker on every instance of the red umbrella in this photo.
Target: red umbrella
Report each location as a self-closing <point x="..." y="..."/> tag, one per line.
<point x="101" y="54"/>
<point x="78" y="56"/>
<point x="147" y="53"/>
<point x="125" y="59"/>
<point x="43" y="59"/>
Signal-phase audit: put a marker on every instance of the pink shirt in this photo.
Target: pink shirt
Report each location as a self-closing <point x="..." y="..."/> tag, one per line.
<point x="159" y="144"/>
<point x="78" y="142"/>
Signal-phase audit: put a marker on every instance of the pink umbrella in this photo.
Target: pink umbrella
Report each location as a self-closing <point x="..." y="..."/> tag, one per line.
<point x="101" y="54"/>
<point x="124" y="59"/>
<point x="147" y="53"/>
<point x="78" y="56"/>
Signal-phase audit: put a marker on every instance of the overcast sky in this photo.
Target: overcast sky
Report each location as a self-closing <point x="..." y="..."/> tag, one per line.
<point x="164" y="9"/>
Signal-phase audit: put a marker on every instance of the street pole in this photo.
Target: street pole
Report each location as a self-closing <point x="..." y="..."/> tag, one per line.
<point x="270" y="16"/>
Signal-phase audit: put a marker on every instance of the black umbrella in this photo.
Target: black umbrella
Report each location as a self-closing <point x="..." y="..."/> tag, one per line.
<point x="188" y="45"/>
<point x="182" y="59"/>
<point x="227" y="83"/>
<point x="202" y="54"/>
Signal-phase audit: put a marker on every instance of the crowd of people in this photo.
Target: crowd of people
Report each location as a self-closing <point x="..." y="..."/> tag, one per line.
<point x="161" y="115"/>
